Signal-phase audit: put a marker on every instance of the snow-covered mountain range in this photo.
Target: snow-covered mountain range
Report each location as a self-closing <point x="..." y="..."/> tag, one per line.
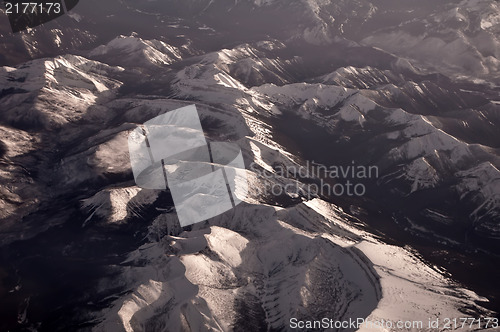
<point x="337" y="83"/>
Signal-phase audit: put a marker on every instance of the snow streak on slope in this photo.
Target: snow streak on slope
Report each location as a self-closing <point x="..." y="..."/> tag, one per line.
<point x="133" y="51"/>
<point x="49" y="93"/>
<point x="482" y="184"/>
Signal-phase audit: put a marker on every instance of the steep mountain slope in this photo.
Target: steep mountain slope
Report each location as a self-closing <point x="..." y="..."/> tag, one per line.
<point x="38" y="99"/>
<point x="295" y="93"/>
<point x="467" y="32"/>
<point x="136" y="52"/>
<point x="269" y="268"/>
